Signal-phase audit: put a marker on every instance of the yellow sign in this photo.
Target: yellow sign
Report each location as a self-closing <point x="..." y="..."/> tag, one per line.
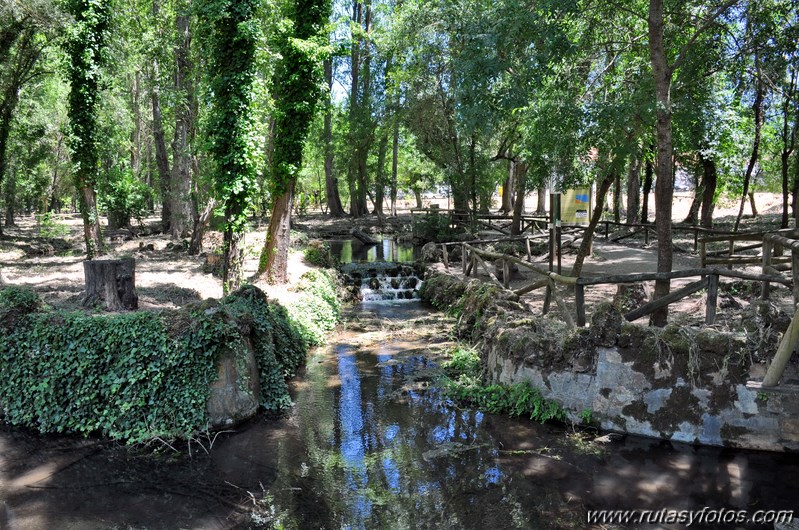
<point x="575" y="206"/>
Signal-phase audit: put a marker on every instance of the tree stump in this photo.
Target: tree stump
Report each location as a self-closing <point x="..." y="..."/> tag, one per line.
<point x="112" y="282"/>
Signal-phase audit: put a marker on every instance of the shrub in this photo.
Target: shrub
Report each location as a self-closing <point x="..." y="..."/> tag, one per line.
<point x="317" y="309"/>
<point x="135" y="376"/>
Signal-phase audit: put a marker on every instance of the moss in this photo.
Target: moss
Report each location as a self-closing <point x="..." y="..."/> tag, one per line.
<point x="681" y="406"/>
<point x="730" y="433"/>
<point x="638" y="411"/>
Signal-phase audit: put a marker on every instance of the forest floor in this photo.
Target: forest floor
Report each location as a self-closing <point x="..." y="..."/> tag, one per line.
<point x="167" y="277"/>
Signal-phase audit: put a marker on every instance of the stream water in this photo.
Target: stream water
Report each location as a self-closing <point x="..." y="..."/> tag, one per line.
<point x="371" y="443"/>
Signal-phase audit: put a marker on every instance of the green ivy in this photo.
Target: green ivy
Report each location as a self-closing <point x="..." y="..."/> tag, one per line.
<point x="463" y="383"/>
<point x="317" y="309"/>
<point x="135" y="376"/>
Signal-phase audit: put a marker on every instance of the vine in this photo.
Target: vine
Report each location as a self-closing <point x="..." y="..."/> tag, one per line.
<point x="231" y="41"/>
<point x="85" y="47"/>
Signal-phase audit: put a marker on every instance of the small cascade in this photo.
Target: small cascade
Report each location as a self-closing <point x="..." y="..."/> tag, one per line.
<point x="384" y="281"/>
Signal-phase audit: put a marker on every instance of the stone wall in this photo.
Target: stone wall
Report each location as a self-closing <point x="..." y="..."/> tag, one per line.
<point x="686" y="384"/>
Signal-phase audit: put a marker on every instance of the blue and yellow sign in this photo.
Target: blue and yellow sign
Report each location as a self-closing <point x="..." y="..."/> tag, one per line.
<point x="576" y="206"/>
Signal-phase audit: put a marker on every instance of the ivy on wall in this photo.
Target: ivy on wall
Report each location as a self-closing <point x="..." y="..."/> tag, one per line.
<point x="135" y="376"/>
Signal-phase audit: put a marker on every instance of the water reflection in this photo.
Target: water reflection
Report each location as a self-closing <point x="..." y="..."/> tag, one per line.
<point x="353" y="251"/>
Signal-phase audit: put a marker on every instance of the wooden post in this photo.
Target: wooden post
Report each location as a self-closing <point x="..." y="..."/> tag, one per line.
<point x="795" y="275"/>
<point x="712" y="297"/>
<point x="111" y="281"/>
<point x="579" y="300"/>
<point x="547" y="298"/>
<point x="784" y="352"/>
<point x="445" y="256"/>
<point x="702" y="254"/>
<point x="646" y="235"/>
<point x="506" y="273"/>
<point x="768" y="246"/>
<point x="696" y="239"/>
<point x="564" y="310"/>
<point x="607" y="230"/>
<point x="529" y="252"/>
<point x="463" y="259"/>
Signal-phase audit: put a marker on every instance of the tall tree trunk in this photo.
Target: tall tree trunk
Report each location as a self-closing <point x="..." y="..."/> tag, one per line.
<point x="757" y="108"/>
<point x="91" y="221"/>
<point x="617" y="199"/>
<point x="394" y="165"/>
<point x="596" y="215"/>
<point x="520" y="180"/>
<point x="334" y="205"/>
<point x="649" y="171"/>
<point x="354" y="111"/>
<point x="10" y="197"/>
<point x="507" y="189"/>
<point x="136" y="133"/>
<point x="788" y="137"/>
<point x="276" y="250"/>
<point x="541" y="206"/>
<point x="693" y="211"/>
<point x="380" y="177"/>
<point x="161" y="157"/>
<point x="709" y="182"/>
<point x="633" y="190"/>
<point x="180" y="211"/>
<point x="664" y="188"/>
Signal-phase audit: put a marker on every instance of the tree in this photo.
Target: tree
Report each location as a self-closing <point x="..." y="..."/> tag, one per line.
<point x="297" y="88"/>
<point x="663" y="73"/>
<point x="232" y="36"/>
<point x="86" y="50"/>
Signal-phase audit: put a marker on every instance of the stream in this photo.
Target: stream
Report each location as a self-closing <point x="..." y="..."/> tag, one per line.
<point x="372" y="443"/>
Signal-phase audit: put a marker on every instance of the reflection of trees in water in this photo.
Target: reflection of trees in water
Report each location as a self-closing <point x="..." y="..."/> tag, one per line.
<point x="367" y="464"/>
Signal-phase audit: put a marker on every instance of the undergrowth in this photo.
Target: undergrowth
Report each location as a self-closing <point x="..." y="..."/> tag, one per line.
<point x="144" y="375"/>
<point x="464" y="383"/>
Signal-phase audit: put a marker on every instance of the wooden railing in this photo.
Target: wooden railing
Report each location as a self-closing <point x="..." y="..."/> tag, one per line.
<point x="473" y="258"/>
<point x="498" y="222"/>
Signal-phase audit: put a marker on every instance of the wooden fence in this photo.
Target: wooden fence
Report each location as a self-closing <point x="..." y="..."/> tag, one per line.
<point x="473" y="258"/>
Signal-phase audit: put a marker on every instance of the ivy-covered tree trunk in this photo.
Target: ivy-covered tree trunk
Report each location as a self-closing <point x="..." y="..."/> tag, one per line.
<point x="85" y="49"/>
<point x="232" y="30"/>
<point x="296" y="85"/>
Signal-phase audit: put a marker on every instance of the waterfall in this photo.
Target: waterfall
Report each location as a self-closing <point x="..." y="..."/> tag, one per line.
<point x="384" y="281"/>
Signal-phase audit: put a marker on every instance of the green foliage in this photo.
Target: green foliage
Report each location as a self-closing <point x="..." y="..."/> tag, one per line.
<point x="463" y="361"/>
<point x="518" y="399"/>
<point x="318" y="253"/>
<point x="278" y="345"/>
<point x="123" y="197"/>
<point x="463" y="383"/>
<point x="296" y="83"/>
<point x="20" y="299"/>
<point x="316" y="310"/>
<point x="135" y="376"/>
<point x="49" y="227"/>
<point x="434" y="227"/>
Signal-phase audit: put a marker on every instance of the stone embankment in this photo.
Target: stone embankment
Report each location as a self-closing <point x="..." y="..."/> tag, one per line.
<point x="687" y="384"/>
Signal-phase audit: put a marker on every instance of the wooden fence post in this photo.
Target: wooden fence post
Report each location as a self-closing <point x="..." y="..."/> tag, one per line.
<point x="795" y="274"/>
<point x="767" y="249"/>
<point x="463" y="258"/>
<point x="783" y="355"/>
<point x="712" y="297"/>
<point x="445" y="256"/>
